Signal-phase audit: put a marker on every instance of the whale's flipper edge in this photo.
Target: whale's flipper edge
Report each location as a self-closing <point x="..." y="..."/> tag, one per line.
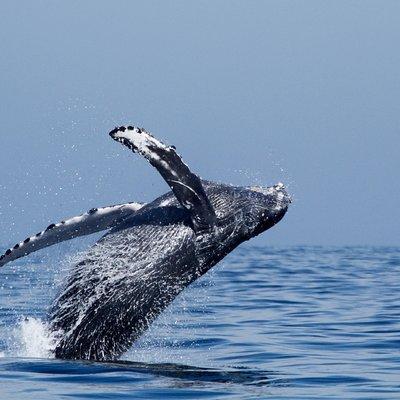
<point x="95" y="220"/>
<point x="185" y="185"/>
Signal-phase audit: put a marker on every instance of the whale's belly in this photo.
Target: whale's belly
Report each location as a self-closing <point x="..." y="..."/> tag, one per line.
<point x="124" y="282"/>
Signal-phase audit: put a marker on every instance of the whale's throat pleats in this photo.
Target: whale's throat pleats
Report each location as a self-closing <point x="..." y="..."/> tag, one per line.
<point x="121" y="286"/>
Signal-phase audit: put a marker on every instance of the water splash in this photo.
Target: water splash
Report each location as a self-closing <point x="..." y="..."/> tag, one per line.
<point x="31" y="338"/>
<point x="36" y="339"/>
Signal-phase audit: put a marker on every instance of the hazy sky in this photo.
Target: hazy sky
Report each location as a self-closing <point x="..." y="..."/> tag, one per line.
<point x="307" y="92"/>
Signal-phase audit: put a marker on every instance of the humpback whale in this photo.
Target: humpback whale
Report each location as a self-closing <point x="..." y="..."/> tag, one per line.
<point x="149" y="253"/>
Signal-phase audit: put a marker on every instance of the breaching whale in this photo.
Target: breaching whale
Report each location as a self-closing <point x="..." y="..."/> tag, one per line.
<point x="150" y="253"/>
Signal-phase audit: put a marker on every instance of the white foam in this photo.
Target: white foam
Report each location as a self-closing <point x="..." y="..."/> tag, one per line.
<point x="33" y="339"/>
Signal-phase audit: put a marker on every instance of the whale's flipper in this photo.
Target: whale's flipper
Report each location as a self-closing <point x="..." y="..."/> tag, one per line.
<point x="185" y="184"/>
<point x="95" y="220"/>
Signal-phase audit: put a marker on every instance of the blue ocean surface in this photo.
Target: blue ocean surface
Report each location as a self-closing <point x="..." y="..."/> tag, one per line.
<point x="267" y="322"/>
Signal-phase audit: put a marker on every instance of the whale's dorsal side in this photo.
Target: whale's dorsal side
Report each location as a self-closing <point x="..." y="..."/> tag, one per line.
<point x="95" y="220"/>
<point x="185" y="185"/>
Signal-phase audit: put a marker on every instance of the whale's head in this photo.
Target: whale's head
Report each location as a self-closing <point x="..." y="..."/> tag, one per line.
<point x="265" y="207"/>
<point x="245" y="212"/>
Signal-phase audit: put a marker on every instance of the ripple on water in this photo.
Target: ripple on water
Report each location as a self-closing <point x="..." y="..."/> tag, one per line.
<point x="295" y="323"/>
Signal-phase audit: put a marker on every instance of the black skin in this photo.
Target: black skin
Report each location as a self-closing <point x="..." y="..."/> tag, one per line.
<point x="139" y="267"/>
<point x="126" y="309"/>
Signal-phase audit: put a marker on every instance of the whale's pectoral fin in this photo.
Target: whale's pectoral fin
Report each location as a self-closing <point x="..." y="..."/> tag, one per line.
<point x="95" y="220"/>
<point x="186" y="186"/>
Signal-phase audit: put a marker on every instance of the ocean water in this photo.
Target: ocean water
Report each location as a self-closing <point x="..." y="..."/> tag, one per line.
<point x="273" y="323"/>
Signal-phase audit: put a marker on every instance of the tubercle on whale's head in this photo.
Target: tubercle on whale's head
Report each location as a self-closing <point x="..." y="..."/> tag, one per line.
<point x="266" y="207"/>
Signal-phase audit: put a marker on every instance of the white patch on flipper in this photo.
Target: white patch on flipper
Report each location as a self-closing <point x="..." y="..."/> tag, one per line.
<point x="141" y="140"/>
<point x="185" y="185"/>
<point x="137" y="139"/>
<point x="95" y="220"/>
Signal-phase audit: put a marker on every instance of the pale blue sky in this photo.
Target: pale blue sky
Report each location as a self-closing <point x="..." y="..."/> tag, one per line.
<point x="307" y="92"/>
